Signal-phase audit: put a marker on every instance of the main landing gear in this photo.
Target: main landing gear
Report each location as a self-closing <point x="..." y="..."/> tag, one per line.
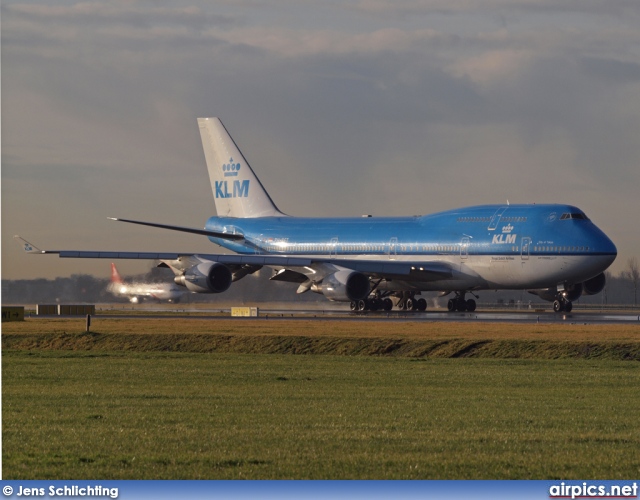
<point x="372" y="304"/>
<point x="407" y="302"/>
<point x="561" y="304"/>
<point x="458" y="303"/>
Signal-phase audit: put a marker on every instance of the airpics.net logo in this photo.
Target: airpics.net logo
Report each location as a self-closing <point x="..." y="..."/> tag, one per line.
<point x="586" y="490"/>
<point x="231" y="169"/>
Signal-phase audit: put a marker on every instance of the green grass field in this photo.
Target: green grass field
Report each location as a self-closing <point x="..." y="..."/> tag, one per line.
<point x="136" y="415"/>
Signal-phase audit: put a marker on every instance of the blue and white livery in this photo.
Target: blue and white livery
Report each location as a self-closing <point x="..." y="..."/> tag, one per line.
<point x="553" y="251"/>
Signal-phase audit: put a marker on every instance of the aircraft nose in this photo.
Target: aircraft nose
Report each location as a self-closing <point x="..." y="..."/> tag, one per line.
<point x="605" y="247"/>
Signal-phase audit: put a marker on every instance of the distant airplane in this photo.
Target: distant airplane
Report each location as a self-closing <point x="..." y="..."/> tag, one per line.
<point x="553" y="251"/>
<point x="137" y="292"/>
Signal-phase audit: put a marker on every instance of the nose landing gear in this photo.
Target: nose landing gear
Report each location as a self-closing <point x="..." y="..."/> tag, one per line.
<point x="561" y="304"/>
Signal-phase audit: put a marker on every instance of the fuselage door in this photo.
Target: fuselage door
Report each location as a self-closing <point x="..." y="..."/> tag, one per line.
<point x="464" y="248"/>
<point x="526" y="243"/>
<point x="393" y="248"/>
<point x="333" y="247"/>
<point x="495" y="220"/>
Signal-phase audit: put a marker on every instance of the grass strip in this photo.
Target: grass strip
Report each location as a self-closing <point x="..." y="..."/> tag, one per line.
<point x="395" y="339"/>
<point x="153" y="415"/>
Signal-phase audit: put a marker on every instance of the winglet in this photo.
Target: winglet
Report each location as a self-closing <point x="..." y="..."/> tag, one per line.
<point x="28" y="247"/>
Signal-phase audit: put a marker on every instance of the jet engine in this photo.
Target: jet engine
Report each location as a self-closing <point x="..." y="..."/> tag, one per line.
<point x="345" y="286"/>
<point x="207" y="277"/>
<point x="594" y="285"/>
<point x="573" y="292"/>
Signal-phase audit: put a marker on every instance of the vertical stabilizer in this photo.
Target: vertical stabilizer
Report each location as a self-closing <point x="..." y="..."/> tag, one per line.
<point x="115" y="275"/>
<point x="236" y="189"/>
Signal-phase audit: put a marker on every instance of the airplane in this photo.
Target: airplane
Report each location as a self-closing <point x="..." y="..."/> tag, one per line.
<point x="136" y="292"/>
<point x="551" y="250"/>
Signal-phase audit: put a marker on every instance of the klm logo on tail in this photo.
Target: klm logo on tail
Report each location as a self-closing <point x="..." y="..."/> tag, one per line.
<point x="231" y="169"/>
<point x="238" y="189"/>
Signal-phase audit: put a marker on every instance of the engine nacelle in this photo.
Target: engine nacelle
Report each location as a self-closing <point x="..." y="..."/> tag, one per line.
<point x="545" y="293"/>
<point x="594" y="285"/>
<point x="571" y="292"/>
<point x="207" y="277"/>
<point x="345" y="286"/>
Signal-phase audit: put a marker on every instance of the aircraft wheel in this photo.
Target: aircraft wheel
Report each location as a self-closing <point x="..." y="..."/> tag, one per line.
<point x="354" y="305"/>
<point x="451" y="305"/>
<point x="462" y="305"/>
<point x="421" y="305"/>
<point x="557" y="306"/>
<point x="568" y="306"/>
<point x="411" y="305"/>
<point x="373" y="305"/>
<point x="387" y="304"/>
<point x="471" y="305"/>
<point x="362" y="305"/>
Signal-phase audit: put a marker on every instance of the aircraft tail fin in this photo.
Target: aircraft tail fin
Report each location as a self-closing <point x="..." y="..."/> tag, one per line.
<point x="236" y="189"/>
<point x="115" y="275"/>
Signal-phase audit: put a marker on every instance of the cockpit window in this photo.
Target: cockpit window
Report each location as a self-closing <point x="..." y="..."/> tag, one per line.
<point x="575" y="215"/>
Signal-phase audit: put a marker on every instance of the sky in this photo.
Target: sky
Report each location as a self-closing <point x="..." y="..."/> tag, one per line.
<point x="342" y="108"/>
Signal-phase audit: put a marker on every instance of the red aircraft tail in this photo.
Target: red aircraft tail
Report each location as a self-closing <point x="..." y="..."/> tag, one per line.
<point x="115" y="276"/>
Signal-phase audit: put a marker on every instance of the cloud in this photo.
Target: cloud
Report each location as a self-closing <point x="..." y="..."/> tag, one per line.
<point x="363" y="107"/>
<point x="621" y="9"/>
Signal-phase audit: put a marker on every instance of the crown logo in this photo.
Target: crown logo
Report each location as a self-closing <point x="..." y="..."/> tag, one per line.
<point x="230" y="169"/>
<point x="507" y="229"/>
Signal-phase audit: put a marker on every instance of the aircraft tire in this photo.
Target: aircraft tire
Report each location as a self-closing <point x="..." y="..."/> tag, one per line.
<point x="568" y="306"/>
<point x="471" y="305"/>
<point x="451" y="305"/>
<point x="354" y="305"/>
<point x="387" y="304"/>
<point x="421" y="305"/>
<point x="557" y="306"/>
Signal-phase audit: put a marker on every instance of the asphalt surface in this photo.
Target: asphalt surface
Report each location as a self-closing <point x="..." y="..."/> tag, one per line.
<point x="580" y="318"/>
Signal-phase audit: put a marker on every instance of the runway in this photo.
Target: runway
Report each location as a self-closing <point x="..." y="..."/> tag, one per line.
<point x="266" y="313"/>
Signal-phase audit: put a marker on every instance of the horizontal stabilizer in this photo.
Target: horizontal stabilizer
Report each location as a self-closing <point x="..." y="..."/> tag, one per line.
<point x="205" y="232"/>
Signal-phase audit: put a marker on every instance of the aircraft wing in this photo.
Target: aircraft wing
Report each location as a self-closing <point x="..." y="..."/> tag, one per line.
<point x="420" y="271"/>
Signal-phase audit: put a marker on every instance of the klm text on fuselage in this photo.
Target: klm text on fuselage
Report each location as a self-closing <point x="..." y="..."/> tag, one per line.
<point x="240" y="189"/>
<point x="504" y="239"/>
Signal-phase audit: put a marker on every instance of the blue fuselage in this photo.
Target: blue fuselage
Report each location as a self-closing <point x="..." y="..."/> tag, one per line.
<point x="481" y="230"/>
<point x="494" y="242"/>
